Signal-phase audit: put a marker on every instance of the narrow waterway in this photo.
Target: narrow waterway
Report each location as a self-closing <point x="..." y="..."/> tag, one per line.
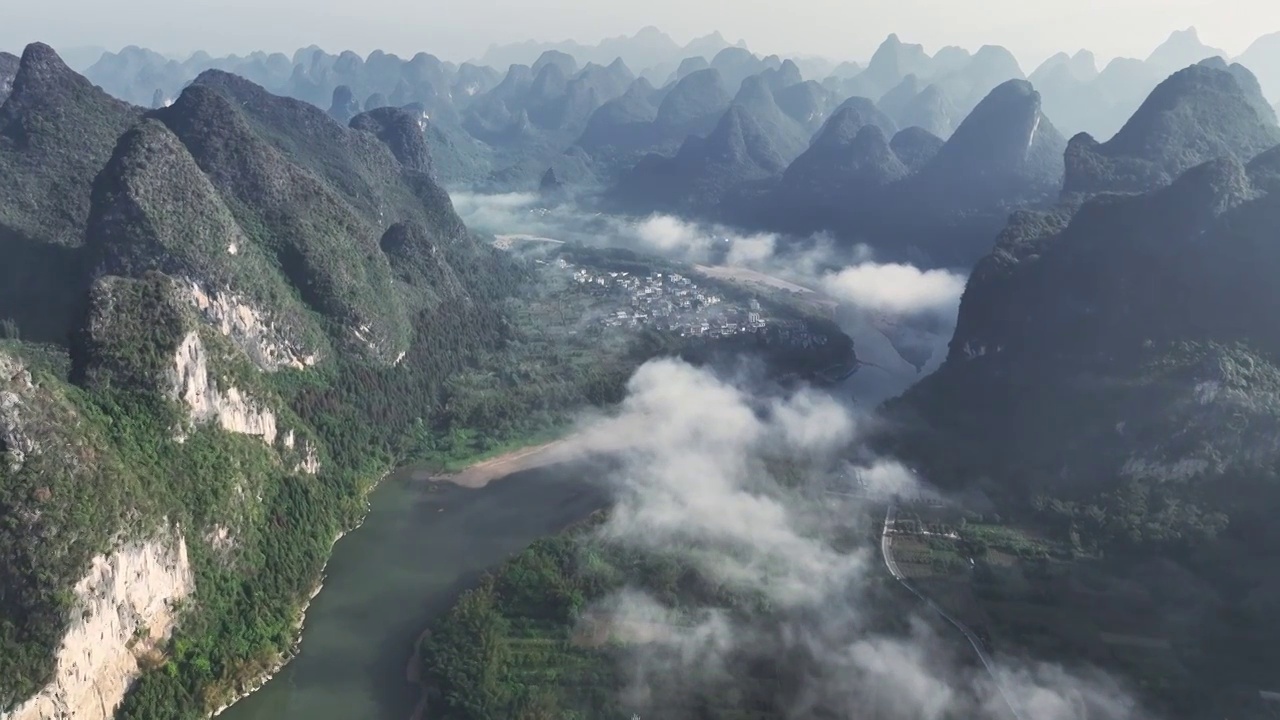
<point x="421" y="544"/>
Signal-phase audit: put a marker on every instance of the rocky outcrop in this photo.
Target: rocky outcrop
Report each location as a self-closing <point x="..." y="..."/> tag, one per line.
<point x="125" y="613"/>
<point x="309" y="457"/>
<point x="8" y="70"/>
<point x="265" y="344"/>
<point x="192" y="383"/>
<point x="310" y="463"/>
<point x="16" y="389"/>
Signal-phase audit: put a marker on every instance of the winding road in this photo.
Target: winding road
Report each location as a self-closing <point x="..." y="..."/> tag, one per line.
<point x="886" y="550"/>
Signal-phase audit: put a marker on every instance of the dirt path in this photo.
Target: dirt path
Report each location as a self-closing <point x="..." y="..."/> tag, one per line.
<point x="529" y="458"/>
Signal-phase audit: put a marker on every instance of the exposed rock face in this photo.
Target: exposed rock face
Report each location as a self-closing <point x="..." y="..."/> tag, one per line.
<point x="190" y="382"/>
<point x="15" y="391"/>
<point x="8" y="69"/>
<point x="310" y="462"/>
<point x="126" y="611"/>
<point x="266" y="345"/>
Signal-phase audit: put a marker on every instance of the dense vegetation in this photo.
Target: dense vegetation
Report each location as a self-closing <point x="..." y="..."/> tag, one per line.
<point x="316" y="270"/>
<point x="1200" y="113"/>
<point x="1113" y="382"/>
<point x="541" y="637"/>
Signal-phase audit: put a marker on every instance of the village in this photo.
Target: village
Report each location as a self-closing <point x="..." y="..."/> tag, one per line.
<point x="673" y="302"/>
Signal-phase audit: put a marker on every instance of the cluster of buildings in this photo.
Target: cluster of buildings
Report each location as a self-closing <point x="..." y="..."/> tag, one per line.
<point x="675" y="303"/>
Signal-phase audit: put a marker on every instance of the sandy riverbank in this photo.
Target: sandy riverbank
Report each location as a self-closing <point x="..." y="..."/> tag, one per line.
<point x="748" y="276"/>
<point x="484" y="472"/>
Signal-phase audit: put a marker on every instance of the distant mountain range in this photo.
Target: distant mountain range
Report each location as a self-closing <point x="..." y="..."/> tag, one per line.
<point x="232" y="297"/>
<point x="650" y="51"/>
<point x="711" y="129"/>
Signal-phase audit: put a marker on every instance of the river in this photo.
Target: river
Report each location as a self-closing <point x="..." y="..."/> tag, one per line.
<point x="421" y="544"/>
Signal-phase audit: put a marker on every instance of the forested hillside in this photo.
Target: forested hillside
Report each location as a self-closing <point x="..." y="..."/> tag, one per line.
<point x="1113" y="382"/>
<point x="222" y="320"/>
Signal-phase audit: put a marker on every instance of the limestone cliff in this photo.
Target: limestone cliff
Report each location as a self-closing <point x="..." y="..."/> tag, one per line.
<point x="309" y="461"/>
<point x="192" y="383"/>
<point x="15" y="392"/>
<point x="262" y="341"/>
<point x="126" y="612"/>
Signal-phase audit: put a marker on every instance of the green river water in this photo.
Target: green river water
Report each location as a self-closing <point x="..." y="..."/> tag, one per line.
<point x="421" y="544"/>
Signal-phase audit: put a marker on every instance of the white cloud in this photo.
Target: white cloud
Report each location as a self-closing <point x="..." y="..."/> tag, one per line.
<point x="696" y="474"/>
<point x="896" y="288"/>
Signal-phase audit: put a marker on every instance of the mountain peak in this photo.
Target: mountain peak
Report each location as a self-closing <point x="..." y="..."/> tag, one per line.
<point x="1083" y="65"/>
<point x="915" y="146"/>
<point x="41" y="70"/>
<point x="931" y="109"/>
<point x="994" y="62"/>
<point x="848" y="120"/>
<point x="849" y="157"/>
<point x="755" y="95"/>
<point x="344" y="105"/>
<point x="1199" y="113"/>
<point x="892" y="61"/>
<point x="37" y="55"/>
<point x="691" y="65"/>
<point x="840" y="129"/>
<point x="1183" y="48"/>
<point x="549" y="82"/>
<point x="567" y="64"/>
<point x="808" y="103"/>
<point x="692" y="103"/>
<point x="1006" y="137"/>
<point x="400" y="131"/>
<point x="57" y="132"/>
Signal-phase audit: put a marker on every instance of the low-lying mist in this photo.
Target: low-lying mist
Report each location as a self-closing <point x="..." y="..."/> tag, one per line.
<point x="754" y="486"/>
<point x="900" y="316"/>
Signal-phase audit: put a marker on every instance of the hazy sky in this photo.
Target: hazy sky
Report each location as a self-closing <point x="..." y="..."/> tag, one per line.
<point x="461" y="29"/>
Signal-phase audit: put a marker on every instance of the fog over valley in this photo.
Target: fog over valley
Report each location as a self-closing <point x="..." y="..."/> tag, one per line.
<point x="900" y="316"/>
<point x="556" y="361"/>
